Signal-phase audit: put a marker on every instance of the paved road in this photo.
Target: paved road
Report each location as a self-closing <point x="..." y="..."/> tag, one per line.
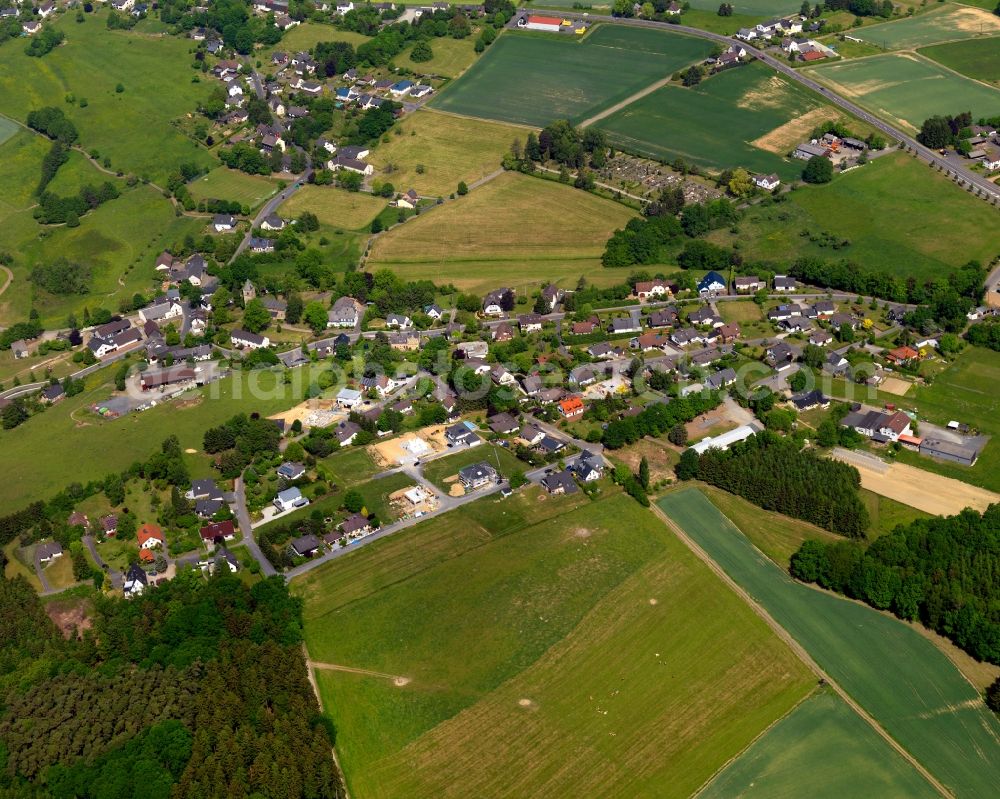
<point x="991" y="190"/>
<point x="243" y="517"/>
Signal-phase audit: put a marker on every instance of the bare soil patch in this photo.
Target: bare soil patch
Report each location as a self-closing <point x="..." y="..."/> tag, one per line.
<point x="784" y="137"/>
<point x="661" y="455"/>
<point x="72" y="617"/>
<point x="926" y="491"/>
<point x="896" y="386"/>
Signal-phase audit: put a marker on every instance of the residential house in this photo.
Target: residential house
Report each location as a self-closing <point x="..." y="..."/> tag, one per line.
<point x="48" y="551"/>
<point x="502" y="332"/>
<point x="462" y="434"/>
<point x="531" y="435"/>
<point x="273" y="222"/>
<point x="530" y="323"/>
<point x="626" y="324"/>
<point x="305" y="546"/>
<point x="355" y="526"/>
<point x="705" y="316"/>
<point x="712" y="283"/>
<point x="213" y="534"/>
<point x="434" y="311"/>
<point x="729" y="333"/>
<point x="743" y="285"/>
<point x="652" y="289"/>
<point x="571" y="408"/>
<point x="721" y="379"/>
<point x="399" y="321"/>
<point x="291" y="470"/>
<point x="779" y="356"/>
<point x="478" y="475"/>
<point x="109" y="525"/>
<point x="785" y="283"/>
<point x="503" y="424"/>
<point x="664" y="317"/>
<point x="19" y="349"/>
<point x="767" y="182"/>
<point x="346" y="312"/>
<point x="586" y="327"/>
<point x="135" y="581"/>
<point x="149" y="537"/>
<point x="161" y="311"/>
<point x="498" y="301"/>
<point x="807" y="400"/>
<point x="902" y="355"/>
<point x="244" y="339"/>
<point x="346" y="432"/>
<point x="589" y="466"/>
<point x="53" y="393"/>
<point x="820" y="338"/>
<point x="560" y="482"/>
<point x="552" y="296"/>
<point x="290" y="499"/>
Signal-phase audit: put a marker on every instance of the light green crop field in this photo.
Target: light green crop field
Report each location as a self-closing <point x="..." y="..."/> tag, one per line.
<point x="754" y="8"/>
<point x="127" y="232"/>
<point x="893" y="672"/>
<point x="56" y="448"/>
<point x="134" y="128"/>
<point x="448" y="148"/>
<point x="737" y="118"/>
<point x="878" y="209"/>
<point x="223" y="183"/>
<point x="975" y="58"/>
<point x="451" y="57"/>
<point x="533" y="79"/>
<point x="796" y="752"/>
<point x="906" y="89"/>
<point x="948" y="23"/>
<point x="513" y="231"/>
<point x="539" y="659"/>
<point x="335" y="207"/>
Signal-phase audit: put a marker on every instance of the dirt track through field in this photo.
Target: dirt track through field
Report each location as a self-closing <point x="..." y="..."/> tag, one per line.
<point x="397" y="680"/>
<point x="926" y="491"/>
<point x="627" y="101"/>
<point x="798" y="649"/>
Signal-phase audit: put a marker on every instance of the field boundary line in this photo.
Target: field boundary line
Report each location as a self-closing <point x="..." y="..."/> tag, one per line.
<point x="311" y="676"/>
<point x="472" y="118"/>
<point x="652" y="87"/>
<point x="705" y="785"/>
<point x="798" y="649"/>
<point x="921" y="57"/>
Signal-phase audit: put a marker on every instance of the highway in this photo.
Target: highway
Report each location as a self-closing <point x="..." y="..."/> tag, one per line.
<point x="984" y="186"/>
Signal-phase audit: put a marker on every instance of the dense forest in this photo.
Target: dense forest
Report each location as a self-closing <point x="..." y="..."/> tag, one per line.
<point x="195" y="689"/>
<point x="775" y="474"/>
<point x="944" y="573"/>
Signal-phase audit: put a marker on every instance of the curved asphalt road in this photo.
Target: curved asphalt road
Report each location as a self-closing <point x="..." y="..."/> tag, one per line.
<point x="991" y="190"/>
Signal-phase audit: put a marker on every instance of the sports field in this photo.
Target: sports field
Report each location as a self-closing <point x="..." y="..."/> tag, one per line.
<point x="897" y="675"/>
<point x="133" y="128"/>
<point x="747" y="117"/>
<point x="448" y="149"/>
<point x="877" y="209"/>
<point x="906" y="89"/>
<point x="513" y="231"/>
<point x="223" y="183"/>
<point x="580" y="651"/>
<point x="946" y="24"/>
<point x="533" y="79"/>
<point x="975" y="58"/>
<point x="335" y="207"/>
<point x="796" y="752"/>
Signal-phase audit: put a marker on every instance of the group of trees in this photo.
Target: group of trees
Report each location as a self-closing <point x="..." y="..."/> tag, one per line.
<point x="941" y="131"/>
<point x="45" y="41"/>
<point x="53" y="209"/>
<point x="939" y="571"/>
<point x="240" y="440"/>
<point x="862" y="8"/>
<point x="774" y="473"/>
<point x="985" y="334"/>
<point x="197" y="688"/>
<point x="658" y="418"/>
<point x="62" y="277"/>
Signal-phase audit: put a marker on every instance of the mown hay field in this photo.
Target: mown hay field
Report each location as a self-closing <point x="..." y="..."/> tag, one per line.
<point x="335" y="207"/>
<point x="898" y="676"/>
<point x="976" y="58"/>
<point x="945" y="24"/>
<point x="532" y="79"/>
<point x="223" y="183"/>
<point x="582" y="649"/>
<point x="514" y="230"/>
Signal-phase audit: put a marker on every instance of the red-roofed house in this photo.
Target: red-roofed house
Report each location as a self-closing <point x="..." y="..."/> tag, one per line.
<point x="150" y="537"/>
<point x="571" y="407"/>
<point x="902" y="354"/>
<point x="213" y="532"/>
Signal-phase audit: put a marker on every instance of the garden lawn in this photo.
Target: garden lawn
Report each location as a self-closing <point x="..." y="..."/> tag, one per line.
<point x="944" y="24"/>
<point x="338" y="208"/>
<point x="133" y="128"/>
<point x="974" y="58"/>
<point x="223" y="183"/>
<point x="905" y="89"/>
<point x="438" y="471"/>
<point x="536" y="660"/>
<point x="448" y="149"/>
<point x="533" y="79"/>
<point x="515" y="231"/>
<point x="796" y="752"/>
<point x="749" y="117"/>
<point x="67" y="443"/>
<point x="451" y="57"/>
<point x="900" y="217"/>
<point x="893" y="672"/>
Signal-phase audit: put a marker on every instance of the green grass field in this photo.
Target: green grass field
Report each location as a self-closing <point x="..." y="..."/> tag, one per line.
<point x="945" y="24"/>
<point x="8" y="127"/>
<point x="118" y="240"/>
<point x="906" y="89"/>
<point x="879" y="209"/>
<point x="898" y="676"/>
<point x="540" y="659"/>
<point x="513" y="231"/>
<point x="532" y="79"/>
<point x="717" y="123"/>
<point x="753" y="8"/>
<point x="56" y="448"/>
<point x="440" y="471"/>
<point x="133" y="128"/>
<point x="451" y="57"/>
<point x="230" y="184"/>
<point x="976" y="58"/>
<point x="77" y="172"/>
<point x="307" y="35"/>
<point x="796" y="753"/>
<point x="335" y="207"/>
<point x="448" y="148"/>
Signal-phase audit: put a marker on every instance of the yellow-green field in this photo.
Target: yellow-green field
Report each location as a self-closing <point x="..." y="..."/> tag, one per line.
<point x="449" y="148"/>
<point x="223" y="183"/>
<point x="335" y="207"/>
<point x="451" y="57"/>
<point x="545" y="648"/>
<point x="513" y="231"/>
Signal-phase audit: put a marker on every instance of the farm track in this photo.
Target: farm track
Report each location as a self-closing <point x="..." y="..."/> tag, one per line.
<point x="627" y="101"/>
<point x="799" y="650"/>
<point x="10" y="279"/>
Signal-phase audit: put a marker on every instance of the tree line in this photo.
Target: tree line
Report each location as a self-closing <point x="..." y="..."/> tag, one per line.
<point x="776" y="474"/>
<point x="942" y="572"/>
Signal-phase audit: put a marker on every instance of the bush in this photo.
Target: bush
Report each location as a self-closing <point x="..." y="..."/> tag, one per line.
<point x="818" y="170"/>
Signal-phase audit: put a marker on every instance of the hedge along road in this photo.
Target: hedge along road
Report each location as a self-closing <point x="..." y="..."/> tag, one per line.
<point x="907" y="685"/>
<point x="990" y="189"/>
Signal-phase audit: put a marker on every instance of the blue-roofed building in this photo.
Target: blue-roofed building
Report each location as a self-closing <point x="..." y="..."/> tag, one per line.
<point x="401" y="88"/>
<point x="712" y="283"/>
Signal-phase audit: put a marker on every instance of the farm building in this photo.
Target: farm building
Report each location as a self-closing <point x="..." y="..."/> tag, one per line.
<point x="964" y="454"/>
<point x="534" y="22"/>
<point x="725" y="440"/>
